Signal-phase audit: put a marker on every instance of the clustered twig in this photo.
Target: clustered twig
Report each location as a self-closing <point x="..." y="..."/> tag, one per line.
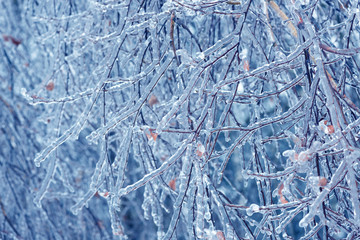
<point x="208" y="119"/>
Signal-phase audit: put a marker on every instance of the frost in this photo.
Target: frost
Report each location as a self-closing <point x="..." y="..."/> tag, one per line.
<point x="200" y="55"/>
<point x="303" y="156"/>
<point x="288" y="153"/>
<point x="240" y="88"/>
<point x="254" y="208"/>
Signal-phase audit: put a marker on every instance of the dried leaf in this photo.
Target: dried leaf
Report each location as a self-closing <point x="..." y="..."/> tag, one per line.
<point x="151" y="134"/>
<point x="13" y="40"/>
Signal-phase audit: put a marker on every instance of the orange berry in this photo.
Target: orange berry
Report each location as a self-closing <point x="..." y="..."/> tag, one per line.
<point x="246" y="65"/>
<point x="172" y="184"/>
<point x="153" y="100"/>
<point x="322" y="182"/>
<point x="50" y="86"/>
<point x="330" y="129"/>
<point x="200" y="150"/>
<point x="220" y="235"/>
<point x="283" y="200"/>
<point x="280" y="189"/>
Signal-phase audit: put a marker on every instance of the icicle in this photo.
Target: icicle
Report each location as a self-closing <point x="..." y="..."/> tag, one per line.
<point x="184" y="178"/>
<point x="352" y="182"/>
<point x="189" y="205"/>
<point x="96" y="180"/>
<point x="146" y="205"/>
<point x="83" y="201"/>
<point x="289" y="218"/>
<point x="64" y="176"/>
<point x="128" y="112"/>
<point x="190" y="87"/>
<point x="218" y="45"/>
<point x="200" y="203"/>
<point x="50" y="172"/>
<point x="73" y="132"/>
<point x="316" y="204"/>
<point x="312" y="232"/>
<point x="229" y="231"/>
<point x="238" y="142"/>
<point x="116" y="226"/>
<point x="156" y="172"/>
